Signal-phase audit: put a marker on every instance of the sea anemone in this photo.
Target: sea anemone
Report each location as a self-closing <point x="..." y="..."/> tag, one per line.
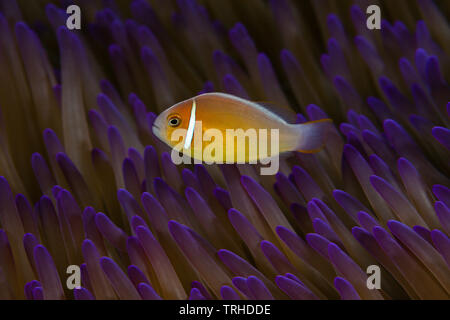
<point x="86" y="183"/>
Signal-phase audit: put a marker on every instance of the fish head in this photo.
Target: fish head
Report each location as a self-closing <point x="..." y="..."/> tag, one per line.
<point x="173" y="123"/>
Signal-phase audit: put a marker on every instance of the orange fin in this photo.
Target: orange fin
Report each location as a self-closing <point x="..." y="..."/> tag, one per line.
<point x="285" y="113"/>
<point x="312" y="151"/>
<point x="311" y="135"/>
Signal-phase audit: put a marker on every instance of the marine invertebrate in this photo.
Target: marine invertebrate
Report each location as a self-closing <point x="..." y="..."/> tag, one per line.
<point x="85" y="183"/>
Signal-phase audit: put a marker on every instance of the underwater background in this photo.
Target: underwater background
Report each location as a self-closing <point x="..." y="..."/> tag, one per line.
<point x="84" y="182"/>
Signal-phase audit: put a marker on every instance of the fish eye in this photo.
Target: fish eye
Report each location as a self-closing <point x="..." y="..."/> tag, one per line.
<point x="174" y="121"/>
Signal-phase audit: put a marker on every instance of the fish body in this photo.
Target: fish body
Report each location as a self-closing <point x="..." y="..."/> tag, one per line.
<point x="205" y="117"/>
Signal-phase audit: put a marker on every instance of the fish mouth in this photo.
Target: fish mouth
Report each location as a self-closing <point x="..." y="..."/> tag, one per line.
<point x="156" y="130"/>
<point x="154" y="126"/>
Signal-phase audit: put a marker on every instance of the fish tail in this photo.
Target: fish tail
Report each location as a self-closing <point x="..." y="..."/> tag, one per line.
<point x="311" y="135"/>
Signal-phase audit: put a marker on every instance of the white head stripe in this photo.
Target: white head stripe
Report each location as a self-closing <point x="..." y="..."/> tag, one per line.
<point x="190" y="130"/>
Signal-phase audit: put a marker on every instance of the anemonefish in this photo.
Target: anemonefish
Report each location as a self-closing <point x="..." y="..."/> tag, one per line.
<point x="218" y="114"/>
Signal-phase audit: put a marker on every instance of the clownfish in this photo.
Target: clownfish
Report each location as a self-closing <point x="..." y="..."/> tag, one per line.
<point x="210" y="117"/>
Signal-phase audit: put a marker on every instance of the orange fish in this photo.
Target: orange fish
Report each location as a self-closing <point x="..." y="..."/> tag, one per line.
<point x="200" y="127"/>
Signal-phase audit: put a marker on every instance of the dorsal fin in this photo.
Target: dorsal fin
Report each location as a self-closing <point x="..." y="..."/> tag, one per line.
<point x="285" y="113"/>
